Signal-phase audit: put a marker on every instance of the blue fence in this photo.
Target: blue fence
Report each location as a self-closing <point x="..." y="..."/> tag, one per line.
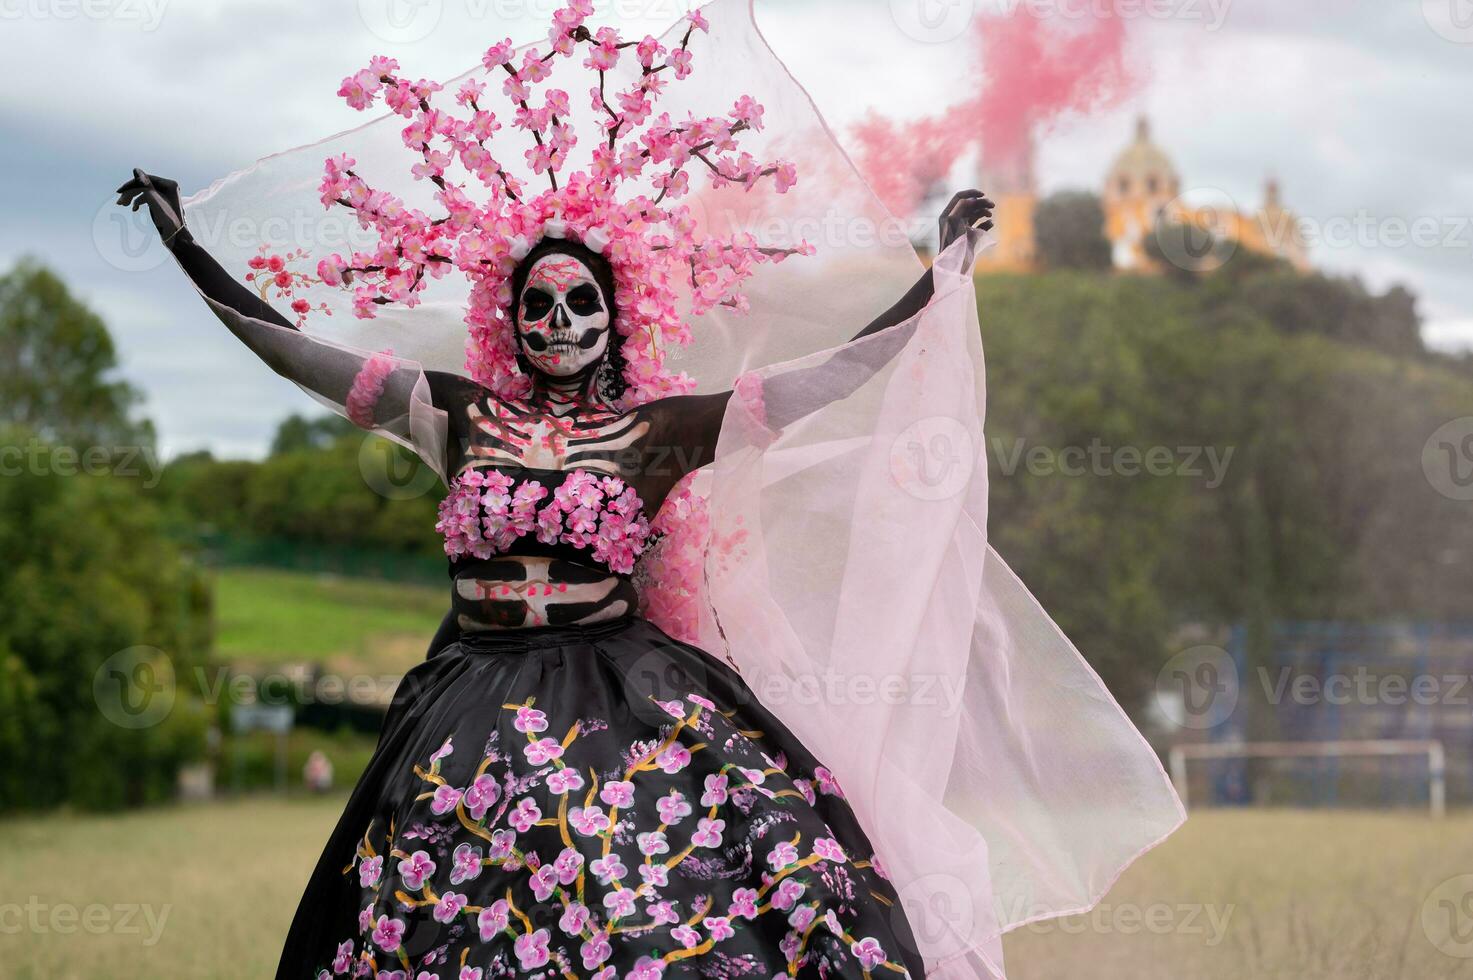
<point x="1335" y="681"/>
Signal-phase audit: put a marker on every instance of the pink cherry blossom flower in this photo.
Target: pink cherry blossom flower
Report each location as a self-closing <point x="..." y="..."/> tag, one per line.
<point x="502" y="844"/>
<point x="544" y="882"/>
<point x="708" y="832"/>
<point x="673" y="759"/>
<point x="575" y="918"/>
<point x="869" y="952"/>
<point x="370" y="870"/>
<point x="344" y="957"/>
<point x="543" y="751"/>
<point x="662" y="913"/>
<point x="653" y="842"/>
<point x="673" y="808"/>
<point x="617" y="793"/>
<point x="596" y="950"/>
<point x="526" y="815"/>
<point x="415" y="869"/>
<point x="720" y="927"/>
<point x="787" y="894"/>
<point x="530" y="719"/>
<point x="802" y="917"/>
<point x="567" y="866"/>
<point x="743" y="904"/>
<point x="497" y="55"/>
<point x="608" y="869"/>
<point x="466" y="864"/>
<point x="620" y="903"/>
<point x="451" y="904"/>
<point x="564" y="781"/>
<point x="446" y="798"/>
<point x="647" y="968"/>
<point x="493" y="919"/>
<point x="783" y="855"/>
<point x="716" y="792"/>
<point x="588" y="821"/>
<point x="388" y="933"/>
<point x="830" y="850"/>
<point x="443" y="751"/>
<point x="828" y="783"/>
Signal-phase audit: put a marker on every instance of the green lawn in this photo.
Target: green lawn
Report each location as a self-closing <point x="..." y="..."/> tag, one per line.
<point x="268" y="617"/>
<point x="1260" y="894"/>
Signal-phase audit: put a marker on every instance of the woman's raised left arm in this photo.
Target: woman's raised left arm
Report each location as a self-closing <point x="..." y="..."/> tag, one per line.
<point x="968" y="210"/>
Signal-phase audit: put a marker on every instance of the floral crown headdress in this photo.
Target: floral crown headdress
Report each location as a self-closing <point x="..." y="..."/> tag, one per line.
<point x="650" y="242"/>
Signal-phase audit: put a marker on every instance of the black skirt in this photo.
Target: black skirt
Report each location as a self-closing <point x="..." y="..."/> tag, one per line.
<point x="596" y="802"/>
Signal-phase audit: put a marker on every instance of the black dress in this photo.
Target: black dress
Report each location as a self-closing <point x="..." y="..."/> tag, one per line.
<point x="596" y="801"/>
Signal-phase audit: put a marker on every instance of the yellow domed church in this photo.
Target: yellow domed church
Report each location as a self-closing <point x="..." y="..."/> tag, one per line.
<point x="1141" y="189"/>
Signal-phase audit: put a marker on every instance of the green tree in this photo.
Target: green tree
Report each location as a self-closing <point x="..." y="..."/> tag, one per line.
<point x="1069" y="228"/>
<point x="57" y="366"/>
<point x="299" y="432"/>
<point x="89" y="571"/>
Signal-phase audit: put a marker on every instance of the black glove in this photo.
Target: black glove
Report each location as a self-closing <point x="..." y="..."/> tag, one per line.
<point x="968" y="211"/>
<point x="162" y="197"/>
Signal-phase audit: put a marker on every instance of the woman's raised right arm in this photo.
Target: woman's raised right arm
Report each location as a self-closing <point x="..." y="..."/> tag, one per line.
<point x="373" y="391"/>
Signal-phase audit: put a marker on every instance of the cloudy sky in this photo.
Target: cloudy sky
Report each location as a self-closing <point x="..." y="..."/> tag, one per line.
<point x="1360" y="108"/>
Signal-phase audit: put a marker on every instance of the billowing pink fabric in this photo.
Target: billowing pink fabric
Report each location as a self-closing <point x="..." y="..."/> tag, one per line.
<point x="842" y="564"/>
<point x="999" y="781"/>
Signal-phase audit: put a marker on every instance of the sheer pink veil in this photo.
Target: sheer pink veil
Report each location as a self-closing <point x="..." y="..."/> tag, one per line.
<point x="836" y="552"/>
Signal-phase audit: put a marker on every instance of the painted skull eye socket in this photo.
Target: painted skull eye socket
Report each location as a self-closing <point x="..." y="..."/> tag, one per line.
<point x="536" y="304"/>
<point x="584" y="300"/>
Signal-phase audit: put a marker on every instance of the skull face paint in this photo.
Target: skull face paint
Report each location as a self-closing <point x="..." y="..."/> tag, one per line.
<point x="563" y="324"/>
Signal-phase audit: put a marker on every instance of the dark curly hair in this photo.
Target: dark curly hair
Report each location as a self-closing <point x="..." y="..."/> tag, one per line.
<point x="611" y="383"/>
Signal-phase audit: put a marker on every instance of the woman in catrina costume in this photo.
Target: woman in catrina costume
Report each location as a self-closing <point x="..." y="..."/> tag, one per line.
<point x="731" y="684"/>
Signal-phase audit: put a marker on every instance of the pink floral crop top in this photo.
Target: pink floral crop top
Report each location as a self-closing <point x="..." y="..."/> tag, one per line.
<point x="487" y="512"/>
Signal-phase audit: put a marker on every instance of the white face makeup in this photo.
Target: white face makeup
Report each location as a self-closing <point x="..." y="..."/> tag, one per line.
<point x="562" y="322"/>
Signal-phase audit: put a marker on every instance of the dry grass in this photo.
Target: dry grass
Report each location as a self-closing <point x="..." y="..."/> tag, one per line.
<point x="1263" y="894"/>
<point x="1268" y="894"/>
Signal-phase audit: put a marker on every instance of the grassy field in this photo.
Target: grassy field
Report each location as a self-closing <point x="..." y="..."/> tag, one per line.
<point x="268" y="617"/>
<point x="1263" y="894"/>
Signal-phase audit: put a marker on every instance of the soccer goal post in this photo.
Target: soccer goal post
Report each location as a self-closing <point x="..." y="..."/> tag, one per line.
<point x="1181" y="756"/>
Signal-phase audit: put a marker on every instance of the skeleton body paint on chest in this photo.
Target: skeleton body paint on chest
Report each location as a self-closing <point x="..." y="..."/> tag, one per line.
<point x="564" y="329"/>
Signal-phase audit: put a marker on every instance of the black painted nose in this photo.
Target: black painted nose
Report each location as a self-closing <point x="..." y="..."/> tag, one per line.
<point x="560" y="316"/>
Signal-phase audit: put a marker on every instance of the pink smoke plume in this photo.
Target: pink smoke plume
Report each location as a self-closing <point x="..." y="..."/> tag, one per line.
<point x="1032" y="72"/>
